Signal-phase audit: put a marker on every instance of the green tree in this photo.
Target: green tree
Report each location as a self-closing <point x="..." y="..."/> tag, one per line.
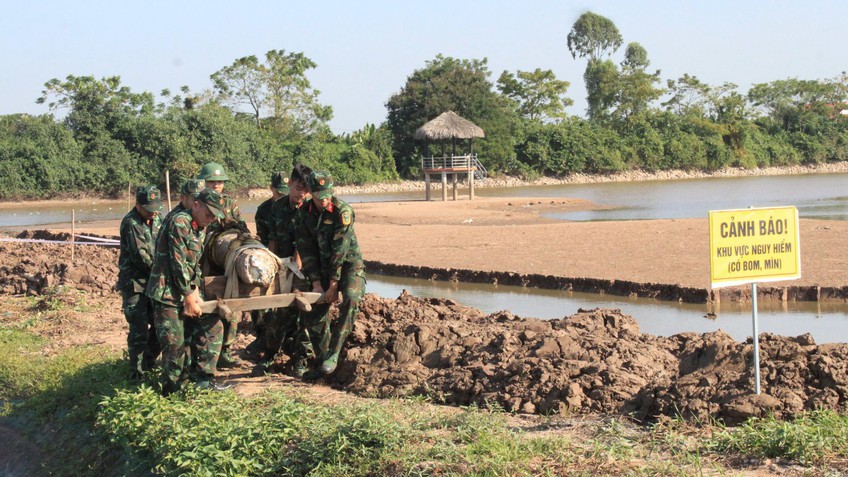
<point x="636" y="86"/>
<point x="688" y="96"/>
<point x="38" y="157"/>
<point x="593" y="36"/>
<point x="795" y="104"/>
<point x="538" y="94"/>
<point x="277" y="92"/>
<point x="97" y="110"/>
<point x="242" y="84"/>
<point x="602" y="86"/>
<point x="94" y="105"/>
<point x="450" y="84"/>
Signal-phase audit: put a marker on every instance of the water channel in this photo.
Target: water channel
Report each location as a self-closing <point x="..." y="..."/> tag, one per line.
<point x="821" y="196"/>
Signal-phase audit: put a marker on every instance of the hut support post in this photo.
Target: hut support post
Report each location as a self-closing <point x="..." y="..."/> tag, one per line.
<point x="454" y="184"/>
<point x="470" y="184"/>
<point x="427" y="185"/>
<point x="444" y="186"/>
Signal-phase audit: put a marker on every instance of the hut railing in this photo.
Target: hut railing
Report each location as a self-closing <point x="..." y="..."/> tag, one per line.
<point x="450" y="162"/>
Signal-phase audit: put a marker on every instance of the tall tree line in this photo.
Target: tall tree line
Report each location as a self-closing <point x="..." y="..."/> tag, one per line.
<point x="259" y="116"/>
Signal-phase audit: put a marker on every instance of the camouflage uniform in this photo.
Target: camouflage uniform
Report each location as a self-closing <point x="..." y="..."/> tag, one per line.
<point x="232" y="220"/>
<point x="138" y="242"/>
<point x="191" y="187"/>
<point x="329" y="251"/>
<point x="176" y="210"/>
<point x="282" y="326"/>
<point x="264" y="221"/>
<point x="175" y="274"/>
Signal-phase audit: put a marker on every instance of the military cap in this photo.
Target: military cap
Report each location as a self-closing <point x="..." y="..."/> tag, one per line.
<point x="149" y="198"/>
<point x="212" y="171"/>
<point x="280" y="182"/>
<point x="214" y="201"/>
<point x="192" y="187"/>
<point x="320" y="184"/>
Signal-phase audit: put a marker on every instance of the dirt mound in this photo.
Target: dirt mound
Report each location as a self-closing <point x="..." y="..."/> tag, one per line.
<point x="595" y="361"/>
<point x="30" y="269"/>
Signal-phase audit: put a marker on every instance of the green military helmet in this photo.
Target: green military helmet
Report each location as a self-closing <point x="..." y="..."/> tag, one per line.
<point x="320" y="184"/>
<point x="149" y="198"/>
<point x="212" y="171"/>
<point x="192" y="187"/>
<point x="280" y="182"/>
<point x="214" y="201"/>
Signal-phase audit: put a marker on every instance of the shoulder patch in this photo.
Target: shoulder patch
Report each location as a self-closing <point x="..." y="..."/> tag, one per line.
<point x="346" y="217"/>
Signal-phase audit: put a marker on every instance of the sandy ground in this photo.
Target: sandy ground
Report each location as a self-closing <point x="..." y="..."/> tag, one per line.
<point x="508" y="234"/>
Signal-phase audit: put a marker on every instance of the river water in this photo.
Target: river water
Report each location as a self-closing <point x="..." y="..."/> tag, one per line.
<point x="823" y="196"/>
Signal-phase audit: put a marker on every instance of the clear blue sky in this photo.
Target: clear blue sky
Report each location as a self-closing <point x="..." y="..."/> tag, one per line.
<point x="366" y="50"/>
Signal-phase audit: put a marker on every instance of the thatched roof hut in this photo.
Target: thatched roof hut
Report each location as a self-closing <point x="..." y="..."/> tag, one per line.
<point x="448" y="125"/>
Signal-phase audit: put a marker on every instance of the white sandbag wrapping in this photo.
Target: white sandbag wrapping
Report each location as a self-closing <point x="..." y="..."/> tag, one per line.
<point x="256" y="266"/>
<point x="253" y="262"/>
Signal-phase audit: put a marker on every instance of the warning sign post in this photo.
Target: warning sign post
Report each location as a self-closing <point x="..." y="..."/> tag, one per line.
<point x="754" y="245"/>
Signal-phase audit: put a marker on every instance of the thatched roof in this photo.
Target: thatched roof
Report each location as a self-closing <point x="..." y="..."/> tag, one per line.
<point x="449" y="125"/>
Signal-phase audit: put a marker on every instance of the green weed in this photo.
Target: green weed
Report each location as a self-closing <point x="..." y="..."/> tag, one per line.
<point x="811" y="438"/>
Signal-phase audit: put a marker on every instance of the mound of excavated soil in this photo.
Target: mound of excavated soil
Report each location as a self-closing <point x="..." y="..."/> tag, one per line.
<point x="28" y="268"/>
<point x="596" y="361"/>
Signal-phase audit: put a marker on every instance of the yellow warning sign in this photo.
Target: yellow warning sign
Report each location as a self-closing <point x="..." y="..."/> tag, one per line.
<point x="754" y="245"/>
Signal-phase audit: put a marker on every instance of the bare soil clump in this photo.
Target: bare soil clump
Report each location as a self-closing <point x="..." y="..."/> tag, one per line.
<point x="593" y="362"/>
<point x="29" y="270"/>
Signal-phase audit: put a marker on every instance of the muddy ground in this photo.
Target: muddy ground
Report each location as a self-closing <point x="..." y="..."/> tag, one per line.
<point x="595" y="361"/>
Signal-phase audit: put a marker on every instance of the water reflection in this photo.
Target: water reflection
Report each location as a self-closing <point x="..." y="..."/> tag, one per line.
<point x="820" y="196"/>
<point x="828" y="323"/>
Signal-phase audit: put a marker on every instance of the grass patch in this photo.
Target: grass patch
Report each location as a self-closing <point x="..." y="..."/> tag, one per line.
<point x="814" y="437"/>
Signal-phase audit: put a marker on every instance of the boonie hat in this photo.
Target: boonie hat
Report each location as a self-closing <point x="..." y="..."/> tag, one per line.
<point x="192" y="187"/>
<point x="149" y="198"/>
<point x="280" y="182"/>
<point x="320" y="184"/>
<point x="212" y="171"/>
<point x="214" y="201"/>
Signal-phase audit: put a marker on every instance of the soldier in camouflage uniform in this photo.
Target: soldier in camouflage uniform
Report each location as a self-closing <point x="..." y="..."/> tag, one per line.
<point x="174" y="288"/>
<point x="264" y="223"/>
<point x="282" y="326"/>
<point x="189" y="190"/>
<point x="139" y="229"/>
<point x="264" y="219"/>
<point x="333" y="263"/>
<point x="215" y="176"/>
